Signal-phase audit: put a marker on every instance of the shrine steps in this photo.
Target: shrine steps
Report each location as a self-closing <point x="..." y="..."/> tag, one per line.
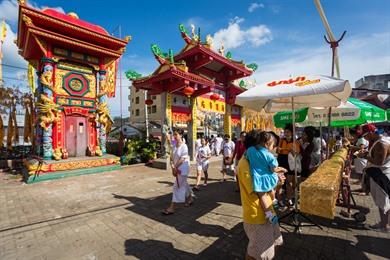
<point x="37" y="171"/>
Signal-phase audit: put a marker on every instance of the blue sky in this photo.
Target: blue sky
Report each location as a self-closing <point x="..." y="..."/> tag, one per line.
<point x="283" y="37"/>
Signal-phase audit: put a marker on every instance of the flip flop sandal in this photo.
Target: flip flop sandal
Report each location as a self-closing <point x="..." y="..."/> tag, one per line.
<point x="188" y="204"/>
<point x="166" y="212"/>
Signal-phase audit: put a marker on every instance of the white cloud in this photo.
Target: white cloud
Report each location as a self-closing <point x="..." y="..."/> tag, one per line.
<point x="254" y="6"/>
<point x="10" y="50"/>
<point x="233" y="36"/>
<point x="359" y="55"/>
<point x="9" y="10"/>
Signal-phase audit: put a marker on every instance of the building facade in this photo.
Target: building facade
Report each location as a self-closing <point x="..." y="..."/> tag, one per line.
<point x="372" y="84"/>
<point x="137" y="107"/>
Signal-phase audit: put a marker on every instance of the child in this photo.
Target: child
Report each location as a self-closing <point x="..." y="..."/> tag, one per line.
<point x="264" y="171"/>
<point x="202" y="163"/>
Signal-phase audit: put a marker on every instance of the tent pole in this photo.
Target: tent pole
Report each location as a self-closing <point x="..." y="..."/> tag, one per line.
<point x="329" y="132"/>
<point x="295" y="161"/>
<point x="322" y="151"/>
<point x="295" y="212"/>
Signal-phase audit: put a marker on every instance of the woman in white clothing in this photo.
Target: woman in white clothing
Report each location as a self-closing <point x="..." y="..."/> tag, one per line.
<point x="202" y="163"/>
<point x="180" y="164"/>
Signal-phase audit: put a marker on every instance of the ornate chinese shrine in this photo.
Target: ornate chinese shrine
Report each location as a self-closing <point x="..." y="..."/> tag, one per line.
<point x="76" y="63"/>
<point x="207" y="79"/>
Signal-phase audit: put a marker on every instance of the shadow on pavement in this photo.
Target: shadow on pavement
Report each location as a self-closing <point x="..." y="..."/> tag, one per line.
<point x="233" y="246"/>
<point x="185" y="219"/>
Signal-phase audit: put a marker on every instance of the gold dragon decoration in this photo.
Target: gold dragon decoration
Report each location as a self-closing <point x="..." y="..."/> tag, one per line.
<point x="46" y="79"/>
<point x="48" y="112"/>
<point x="104" y="116"/>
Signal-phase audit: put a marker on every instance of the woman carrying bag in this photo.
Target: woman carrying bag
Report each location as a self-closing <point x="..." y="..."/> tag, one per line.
<point x="180" y="164"/>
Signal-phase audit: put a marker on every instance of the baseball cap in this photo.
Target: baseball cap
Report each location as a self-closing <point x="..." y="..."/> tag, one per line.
<point x="368" y="128"/>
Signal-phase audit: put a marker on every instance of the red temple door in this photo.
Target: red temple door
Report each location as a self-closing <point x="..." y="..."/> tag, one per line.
<point x="76" y="136"/>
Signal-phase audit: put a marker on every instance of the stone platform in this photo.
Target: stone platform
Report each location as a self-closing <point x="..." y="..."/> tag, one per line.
<point x="37" y="170"/>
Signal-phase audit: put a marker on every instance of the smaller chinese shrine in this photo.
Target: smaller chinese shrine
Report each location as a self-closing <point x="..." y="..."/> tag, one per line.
<point x="76" y="63"/>
<point x="206" y="80"/>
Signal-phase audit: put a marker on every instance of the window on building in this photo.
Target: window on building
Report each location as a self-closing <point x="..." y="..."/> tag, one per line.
<point x="137" y="100"/>
<point x="149" y="110"/>
<point x="154" y="109"/>
<point x="184" y="101"/>
<point x="174" y="100"/>
<point x="154" y="97"/>
<point x="137" y="112"/>
<point x="132" y="112"/>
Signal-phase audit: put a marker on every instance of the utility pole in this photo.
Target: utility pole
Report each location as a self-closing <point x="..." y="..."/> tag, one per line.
<point x="146" y="117"/>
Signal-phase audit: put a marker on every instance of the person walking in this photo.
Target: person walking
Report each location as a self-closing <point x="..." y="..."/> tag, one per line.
<point x="227" y="152"/>
<point x="218" y="145"/>
<point x="180" y="164"/>
<point x="263" y="236"/>
<point x="202" y="163"/>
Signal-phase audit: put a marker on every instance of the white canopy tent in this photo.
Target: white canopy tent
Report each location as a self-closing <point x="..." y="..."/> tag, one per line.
<point x="294" y="93"/>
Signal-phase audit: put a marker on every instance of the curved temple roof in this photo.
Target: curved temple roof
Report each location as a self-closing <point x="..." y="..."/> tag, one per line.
<point x="71" y="18"/>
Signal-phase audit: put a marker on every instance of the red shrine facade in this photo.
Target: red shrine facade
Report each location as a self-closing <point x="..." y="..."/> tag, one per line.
<point x="76" y="63"/>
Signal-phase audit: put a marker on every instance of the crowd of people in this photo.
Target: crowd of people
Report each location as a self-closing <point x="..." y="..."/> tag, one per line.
<point x="264" y="165"/>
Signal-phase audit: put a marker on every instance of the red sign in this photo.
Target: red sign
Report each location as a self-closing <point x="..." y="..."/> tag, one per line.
<point x="289" y="81"/>
<point x="76" y="110"/>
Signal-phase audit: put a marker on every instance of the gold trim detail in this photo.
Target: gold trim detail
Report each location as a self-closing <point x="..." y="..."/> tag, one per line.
<point x="41" y="43"/>
<point x="73" y="42"/>
<point x="27" y="20"/>
<point x="60" y="73"/>
<point x="33" y="166"/>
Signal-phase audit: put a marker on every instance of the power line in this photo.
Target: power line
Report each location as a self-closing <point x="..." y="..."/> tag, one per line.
<point x="13" y="66"/>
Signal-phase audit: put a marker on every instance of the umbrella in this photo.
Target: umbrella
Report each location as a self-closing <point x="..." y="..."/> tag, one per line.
<point x="388" y="114"/>
<point x="300" y="92"/>
<point x="295" y="93"/>
<point x="353" y="112"/>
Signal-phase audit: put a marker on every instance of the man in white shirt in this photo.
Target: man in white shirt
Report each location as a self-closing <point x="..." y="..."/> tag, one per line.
<point x="227" y="152"/>
<point x="197" y="145"/>
<point x="218" y="144"/>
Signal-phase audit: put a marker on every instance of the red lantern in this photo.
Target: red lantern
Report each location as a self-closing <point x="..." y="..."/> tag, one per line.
<point x="214" y="97"/>
<point x="188" y="91"/>
<point x="149" y="102"/>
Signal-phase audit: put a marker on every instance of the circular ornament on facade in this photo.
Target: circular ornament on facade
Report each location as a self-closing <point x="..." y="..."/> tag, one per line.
<point x="76" y="84"/>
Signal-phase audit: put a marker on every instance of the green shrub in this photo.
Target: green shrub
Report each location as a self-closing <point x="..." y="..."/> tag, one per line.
<point x="138" y="150"/>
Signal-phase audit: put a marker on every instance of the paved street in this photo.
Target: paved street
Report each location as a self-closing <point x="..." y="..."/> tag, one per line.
<point x="117" y="215"/>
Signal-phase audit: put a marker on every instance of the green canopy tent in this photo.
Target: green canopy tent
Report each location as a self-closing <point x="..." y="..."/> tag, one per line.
<point x="353" y="112"/>
<point x="388" y="115"/>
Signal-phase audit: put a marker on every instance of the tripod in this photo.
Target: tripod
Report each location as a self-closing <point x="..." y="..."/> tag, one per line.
<point x="297" y="223"/>
<point x="295" y="213"/>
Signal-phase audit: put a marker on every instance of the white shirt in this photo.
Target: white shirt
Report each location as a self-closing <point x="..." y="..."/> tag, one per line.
<point x="228" y="148"/>
<point x="218" y="141"/>
<point x="203" y="153"/>
<point x="179" y="153"/>
<point x="198" y="144"/>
